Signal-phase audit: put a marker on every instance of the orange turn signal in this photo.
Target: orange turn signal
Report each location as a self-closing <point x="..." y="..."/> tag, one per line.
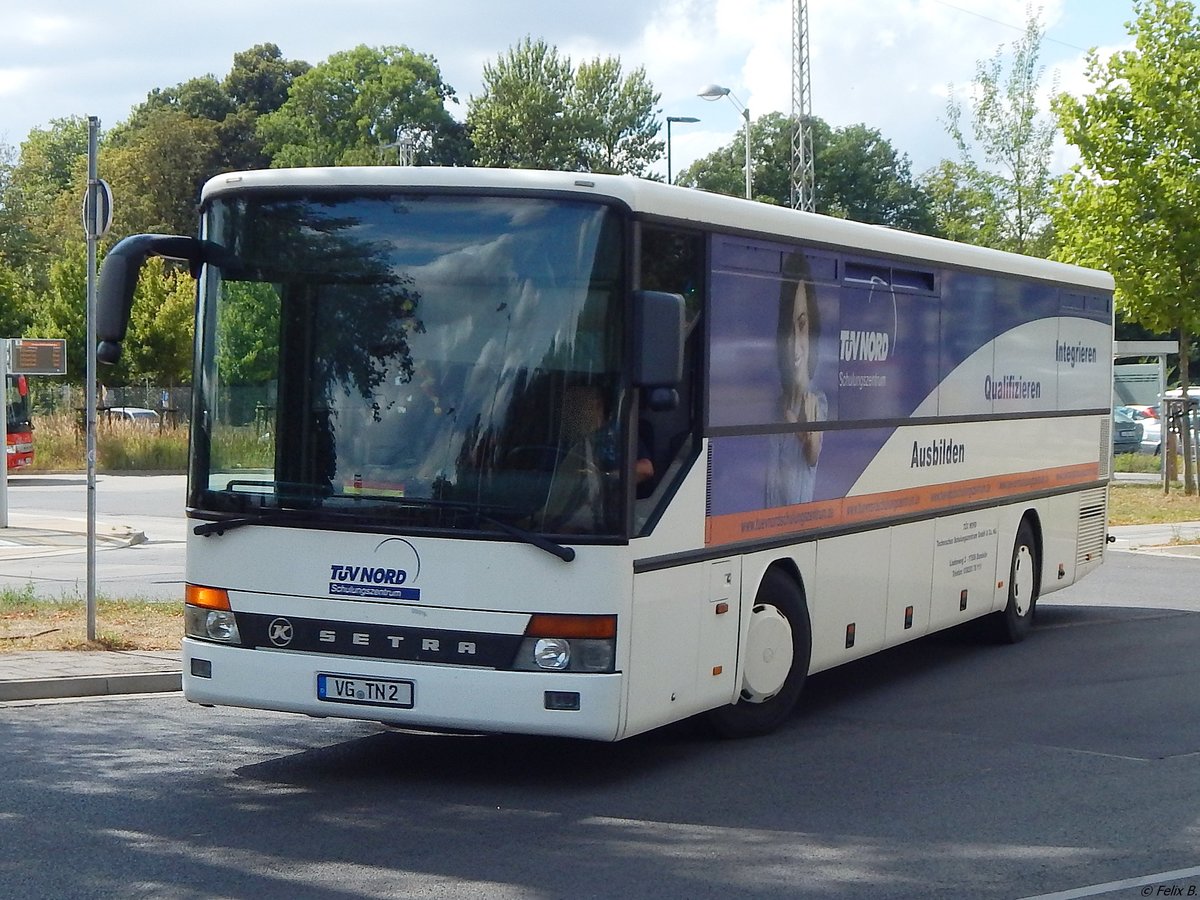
<point x="565" y="626"/>
<point x="207" y="597"/>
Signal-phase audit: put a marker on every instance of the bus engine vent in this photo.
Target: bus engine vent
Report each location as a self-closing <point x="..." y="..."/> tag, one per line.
<point x="1106" y="447"/>
<point x="1093" y="513"/>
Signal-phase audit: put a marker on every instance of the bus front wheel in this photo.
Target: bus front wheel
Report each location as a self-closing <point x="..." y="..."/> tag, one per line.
<point x="1012" y="623"/>
<point x="777" y="652"/>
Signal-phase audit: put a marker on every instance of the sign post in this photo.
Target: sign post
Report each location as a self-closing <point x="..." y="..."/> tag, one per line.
<point x="97" y="217"/>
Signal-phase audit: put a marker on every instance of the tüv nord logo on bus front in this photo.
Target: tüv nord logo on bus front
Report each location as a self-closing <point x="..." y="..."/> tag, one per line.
<point x="390" y="575"/>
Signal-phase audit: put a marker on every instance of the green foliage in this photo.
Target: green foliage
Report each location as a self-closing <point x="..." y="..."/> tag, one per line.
<point x="60" y="311"/>
<point x="864" y="178"/>
<point x="860" y="175"/>
<point x="14" y="308"/>
<point x="521" y="120"/>
<point x="537" y="112"/>
<point x="159" y="343"/>
<point x="157" y="169"/>
<point x="1005" y="197"/>
<point x="51" y="161"/>
<point x="356" y="106"/>
<point x="618" y="126"/>
<point x="159" y="348"/>
<point x="1133" y="205"/>
<point x="963" y="209"/>
<point x="261" y="78"/>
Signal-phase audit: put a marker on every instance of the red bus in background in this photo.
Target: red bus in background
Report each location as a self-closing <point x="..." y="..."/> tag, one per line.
<point x="19" y="451"/>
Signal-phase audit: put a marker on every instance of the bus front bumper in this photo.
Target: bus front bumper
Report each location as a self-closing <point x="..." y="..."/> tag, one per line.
<point x="404" y="694"/>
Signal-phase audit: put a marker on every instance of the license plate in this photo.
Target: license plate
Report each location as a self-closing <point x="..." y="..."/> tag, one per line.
<point x="364" y="691"/>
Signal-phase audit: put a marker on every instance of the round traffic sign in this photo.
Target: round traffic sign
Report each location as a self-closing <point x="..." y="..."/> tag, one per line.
<point x="96" y="222"/>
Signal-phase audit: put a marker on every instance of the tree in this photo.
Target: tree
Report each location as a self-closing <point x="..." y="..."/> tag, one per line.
<point x="522" y="119"/>
<point x="261" y="78"/>
<point x="963" y="209"/>
<point x="357" y="106"/>
<point x="860" y="175"/>
<point x="50" y="163"/>
<point x="157" y="170"/>
<point x="1132" y="206"/>
<point x="538" y="112"/>
<point x="616" y="115"/>
<point x="14" y="308"/>
<point x="161" y="325"/>
<point x="1015" y="141"/>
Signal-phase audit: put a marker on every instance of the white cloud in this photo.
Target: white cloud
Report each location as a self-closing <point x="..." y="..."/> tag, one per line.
<point x="39" y="29"/>
<point x="886" y="64"/>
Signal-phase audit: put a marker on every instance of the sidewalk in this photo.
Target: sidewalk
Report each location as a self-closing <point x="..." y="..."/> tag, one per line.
<point x="46" y="675"/>
<point x="61" y="674"/>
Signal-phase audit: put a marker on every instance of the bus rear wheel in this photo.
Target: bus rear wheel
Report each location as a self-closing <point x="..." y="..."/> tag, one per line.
<point x="777" y="653"/>
<point x="1012" y="624"/>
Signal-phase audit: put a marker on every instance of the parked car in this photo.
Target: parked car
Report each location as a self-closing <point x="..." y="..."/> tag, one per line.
<point x="1127" y="433"/>
<point x="136" y="415"/>
<point x="1151" y="436"/>
<point x="1141" y="414"/>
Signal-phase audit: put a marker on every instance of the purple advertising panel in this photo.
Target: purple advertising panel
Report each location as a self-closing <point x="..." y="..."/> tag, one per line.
<point x="821" y="364"/>
<point x="772" y="357"/>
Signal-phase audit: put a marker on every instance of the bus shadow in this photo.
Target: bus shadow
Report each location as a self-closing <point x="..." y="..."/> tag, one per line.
<point x="466" y="760"/>
<point x="462" y="761"/>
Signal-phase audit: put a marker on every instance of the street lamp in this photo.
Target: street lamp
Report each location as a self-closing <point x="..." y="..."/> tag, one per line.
<point x="714" y="92"/>
<point x="687" y="120"/>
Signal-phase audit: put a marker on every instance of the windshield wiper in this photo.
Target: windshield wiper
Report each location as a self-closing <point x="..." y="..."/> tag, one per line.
<point x="220" y="526"/>
<point x="566" y="554"/>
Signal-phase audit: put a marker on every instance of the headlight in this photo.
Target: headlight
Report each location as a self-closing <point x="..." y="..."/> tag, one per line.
<point x="565" y="642"/>
<point x="566" y="655"/>
<point x="211" y="625"/>
<point x="552" y="653"/>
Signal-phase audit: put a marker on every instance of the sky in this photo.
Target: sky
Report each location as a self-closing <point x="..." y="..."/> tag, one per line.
<point x="889" y="64"/>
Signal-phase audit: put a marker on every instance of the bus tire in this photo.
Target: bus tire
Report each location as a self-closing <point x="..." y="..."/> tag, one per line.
<point x="778" y="650"/>
<point x="1012" y="624"/>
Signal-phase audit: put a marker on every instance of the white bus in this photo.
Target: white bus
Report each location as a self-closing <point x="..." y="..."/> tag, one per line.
<point x="578" y="455"/>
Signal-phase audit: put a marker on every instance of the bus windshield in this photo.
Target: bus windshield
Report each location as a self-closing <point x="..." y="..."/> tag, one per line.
<point x="428" y="362"/>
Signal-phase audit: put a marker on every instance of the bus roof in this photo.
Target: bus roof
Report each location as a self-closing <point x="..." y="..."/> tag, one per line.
<point x="685" y="205"/>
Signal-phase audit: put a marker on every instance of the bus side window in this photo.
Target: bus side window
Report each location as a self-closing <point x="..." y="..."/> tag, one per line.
<point x="672" y="260"/>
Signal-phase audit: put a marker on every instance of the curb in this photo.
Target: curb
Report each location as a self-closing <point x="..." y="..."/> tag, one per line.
<point x="90" y="686"/>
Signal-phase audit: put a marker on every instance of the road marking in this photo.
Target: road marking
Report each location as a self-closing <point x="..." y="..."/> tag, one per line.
<point x="1095" y="890"/>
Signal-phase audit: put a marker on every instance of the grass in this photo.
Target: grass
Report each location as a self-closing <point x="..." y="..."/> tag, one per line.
<point x="1146" y="504"/>
<point x="60" y="446"/>
<point x="1137" y="462"/>
<point x="28" y="622"/>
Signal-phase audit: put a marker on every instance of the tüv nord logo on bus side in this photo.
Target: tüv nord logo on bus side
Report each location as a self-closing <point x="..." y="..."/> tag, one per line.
<point x="868" y="346"/>
<point x="872" y="345"/>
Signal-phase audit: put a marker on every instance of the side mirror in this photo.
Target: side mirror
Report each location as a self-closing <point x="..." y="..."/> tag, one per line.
<point x="118" y="280"/>
<point x="657" y="339"/>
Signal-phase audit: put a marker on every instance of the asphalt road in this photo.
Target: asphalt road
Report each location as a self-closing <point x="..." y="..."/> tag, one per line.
<point x="942" y="769"/>
<point x="151" y="504"/>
